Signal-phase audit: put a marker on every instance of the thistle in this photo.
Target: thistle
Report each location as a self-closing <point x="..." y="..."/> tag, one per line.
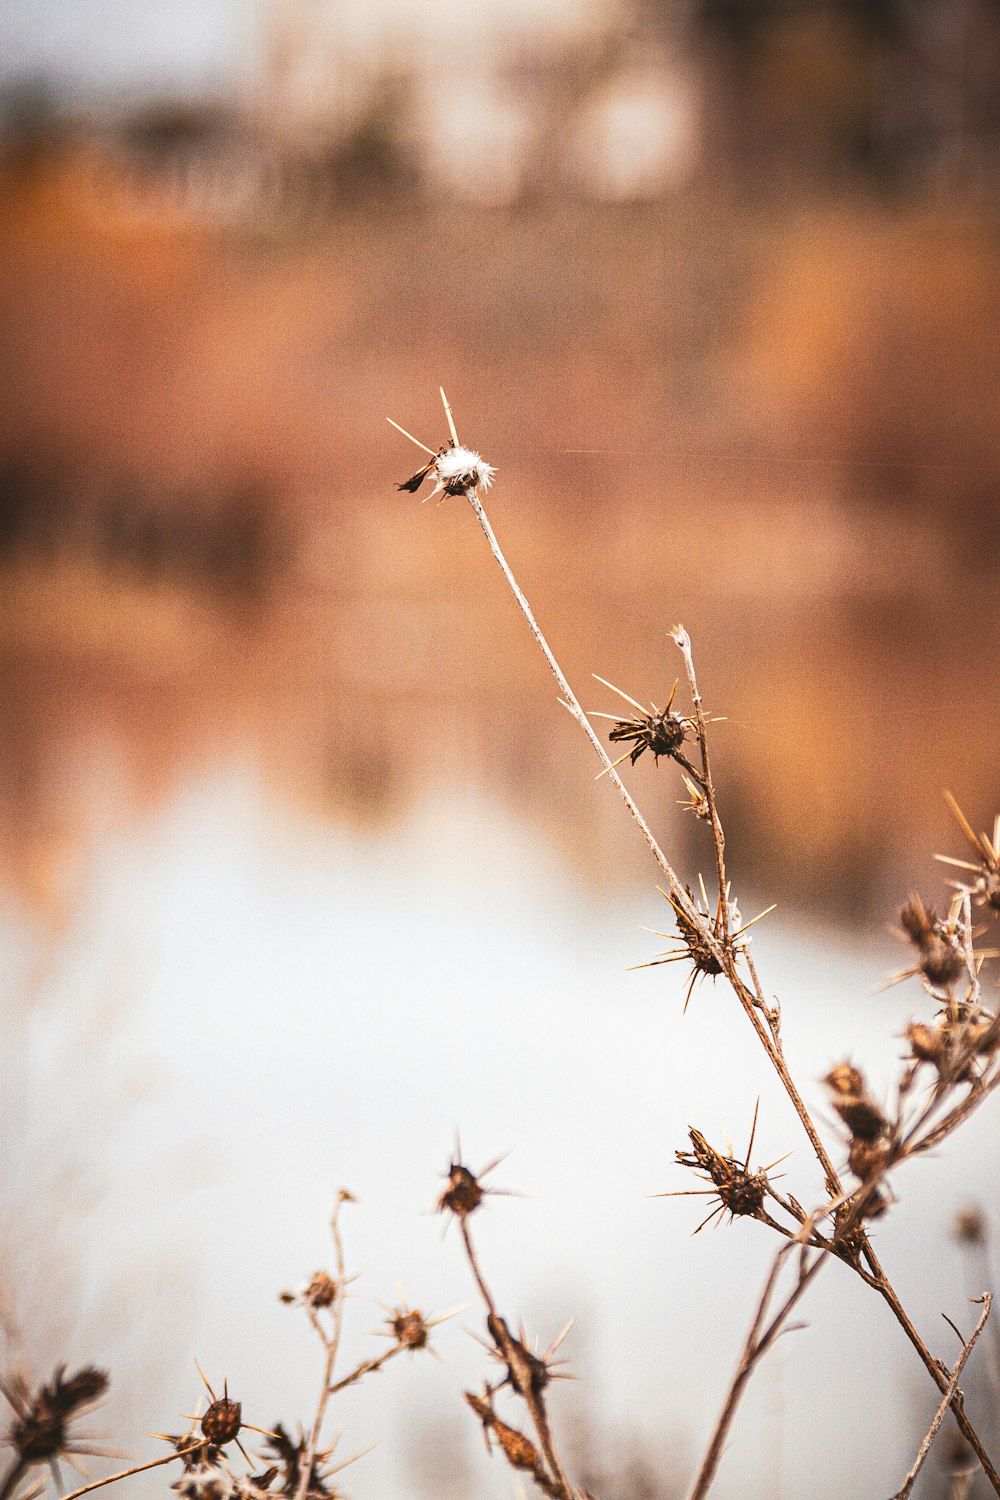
<point x="457" y="470"/>
<point x="985" y="889"/>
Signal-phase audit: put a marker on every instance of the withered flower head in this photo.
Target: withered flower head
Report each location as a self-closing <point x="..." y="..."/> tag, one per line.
<point x="985" y="888"/>
<point x="253" y="1486"/>
<point x="40" y="1431"/>
<point x="528" y="1373"/>
<point x="205" y="1481"/>
<point x="938" y="942"/>
<point x="661" y="731"/>
<point x="950" y="1043"/>
<point x="693" y="944"/>
<point x="458" y="470"/>
<point x="970" y="1227"/>
<point x="465" y="1192"/>
<point x="320" y="1291"/>
<point x="222" y="1421"/>
<point x="290" y="1454"/>
<point x="409" y="1328"/>
<point x="463" y="1195"/>
<point x="518" y="1449"/>
<point x="854" y="1104"/>
<point x="867" y="1158"/>
<point x="741" y="1193"/>
<point x="696" y="800"/>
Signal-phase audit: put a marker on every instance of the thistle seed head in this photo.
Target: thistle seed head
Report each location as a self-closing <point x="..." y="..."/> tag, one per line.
<point x="222" y="1421"/>
<point x="40" y="1430"/>
<point x="410" y="1329"/>
<point x="853" y="1103"/>
<point x="463" y="1195"/>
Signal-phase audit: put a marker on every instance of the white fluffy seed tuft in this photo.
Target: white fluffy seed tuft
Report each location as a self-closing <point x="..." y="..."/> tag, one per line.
<point x="462" y="469"/>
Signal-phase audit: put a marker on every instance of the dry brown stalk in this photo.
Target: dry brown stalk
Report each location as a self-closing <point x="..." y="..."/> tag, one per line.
<point x="759" y="1340"/>
<point x="153" y="1463"/>
<point x="331" y="1343"/>
<point x="906" y="1488"/>
<point x="850" y="1241"/>
<point x="528" y="1389"/>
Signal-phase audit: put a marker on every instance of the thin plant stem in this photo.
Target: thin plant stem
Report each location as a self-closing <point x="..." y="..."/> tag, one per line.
<point x="906" y="1488"/>
<point x="683" y="641"/>
<point x="532" y="1399"/>
<point x="154" y="1463"/>
<point x="13" y="1478"/>
<point x="724" y="953"/>
<point x="332" y="1345"/>
<point x="758" y="1341"/>
<point x="366" y="1367"/>
<point x="573" y="704"/>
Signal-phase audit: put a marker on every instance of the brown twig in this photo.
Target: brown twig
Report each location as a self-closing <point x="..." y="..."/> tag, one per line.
<point x="331" y="1343"/>
<point x="366" y="1367"/>
<point x="683" y="642"/>
<point x="532" y="1398"/>
<point x="154" y="1463"/>
<point x="758" y="1341"/>
<point x="727" y="954"/>
<point x="951" y="1390"/>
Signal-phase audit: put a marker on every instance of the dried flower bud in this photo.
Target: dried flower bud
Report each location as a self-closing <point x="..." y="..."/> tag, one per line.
<point x="457" y="471"/>
<point x="927" y="1043"/>
<point x="526" y="1373"/>
<point x="320" y="1291"/>
<point x="519" y="1451"/>
<point x="740" y="1192"/>
<point x="463" y="1195"/>
<point x="205" y="1481"/>
<point x="917" y="920"/>
<point x="867" y="1159"/>
<point x="854" y="1104"/>
<point x="938" y="942"/>
<point x="410" y="1329"/>
<point x="222" y="1421"/>
<point x="40" y="1431"/>
<point x="970" y="1227"/>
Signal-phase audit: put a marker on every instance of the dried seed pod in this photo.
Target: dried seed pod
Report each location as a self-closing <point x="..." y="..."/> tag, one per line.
<point x="741" y="1193"/>
<point x="526" y="1373"/>
<point x="970" y="1227"/>
<point x="938" y="942"/>
<point x="463" y="1195"/>
<point x="917" y="920"/>
<point x="867" y="1159"/>
<point x="40" y="1432"/>
<point x="410" y="1329"/>
<point x="855" y="1106"/>
<point x="518" y="1449"/>
<point x="985" y="888"/>
<point x="927" y="1043"/>
<point x="222" y="1421"/>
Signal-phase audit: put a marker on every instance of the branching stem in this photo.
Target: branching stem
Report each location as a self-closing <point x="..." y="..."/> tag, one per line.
<point x="332" y="1345"/>
<point x="727" y="955"/>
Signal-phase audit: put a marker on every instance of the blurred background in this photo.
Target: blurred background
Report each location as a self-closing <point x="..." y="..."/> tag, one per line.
<point x="303" y="867"/>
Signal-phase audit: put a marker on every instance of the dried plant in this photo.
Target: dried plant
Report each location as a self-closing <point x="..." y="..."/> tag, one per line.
<point x="952" y="1057"/>
<point x="951" y="1065"/>
<point x="298" y="1467"/>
